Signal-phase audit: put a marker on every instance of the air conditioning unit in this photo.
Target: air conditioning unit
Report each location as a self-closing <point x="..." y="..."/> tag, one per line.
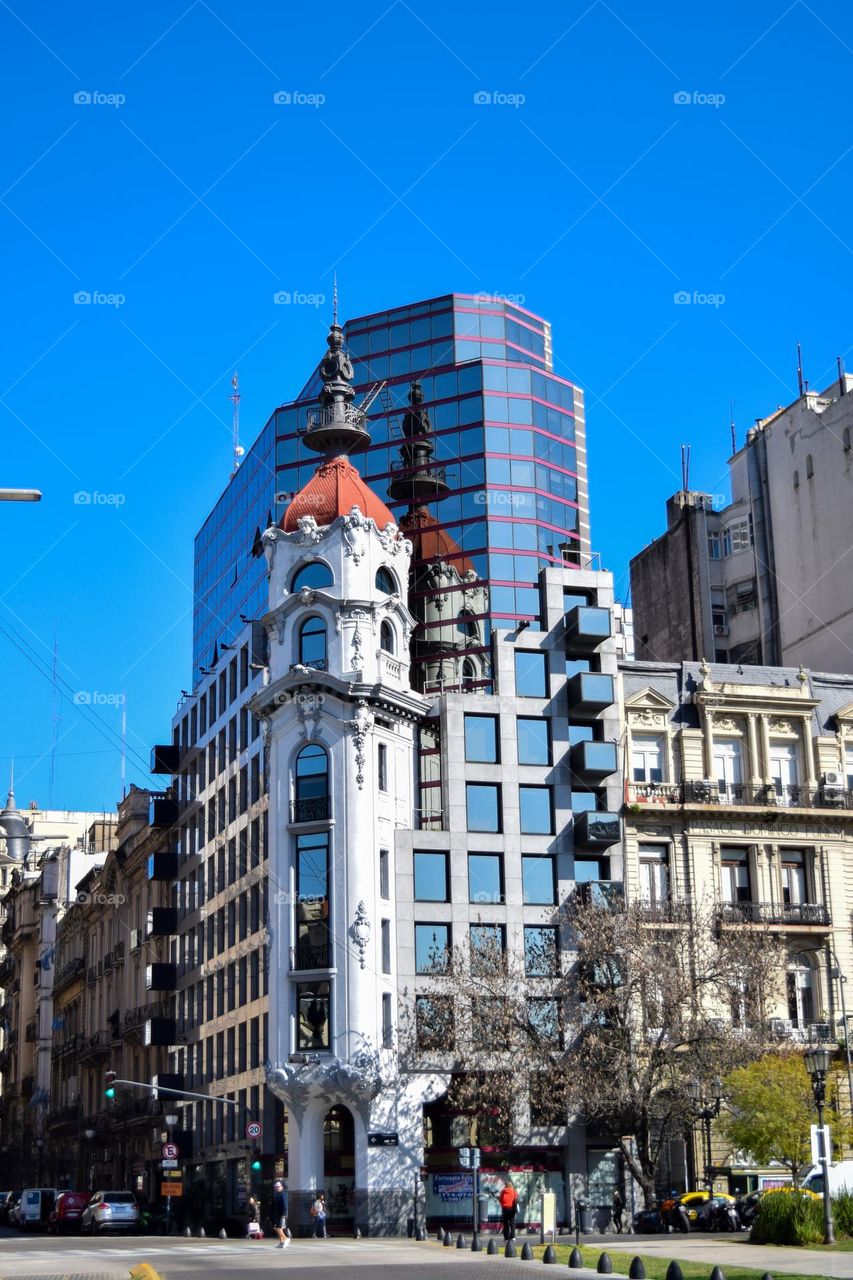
<point x="832" y="778"/>
<point x="705" y="792"/>
<point x="137" y="938"/>
<point x="780" y="1027"/>
<point x="721" y="628"/>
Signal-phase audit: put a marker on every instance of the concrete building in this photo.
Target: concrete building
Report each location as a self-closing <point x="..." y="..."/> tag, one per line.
<point x="738" y="800"/>
<point x="764" y="579"/>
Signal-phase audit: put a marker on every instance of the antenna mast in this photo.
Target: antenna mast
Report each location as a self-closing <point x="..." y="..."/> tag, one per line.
<point x="799" y="370"/>
<point x="238" y="449"/>
<point x="732" y="425"/>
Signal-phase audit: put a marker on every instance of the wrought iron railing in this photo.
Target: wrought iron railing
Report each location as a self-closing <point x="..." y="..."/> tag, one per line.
<point x="770" y="795"/>
<point x="311" y="809"/>
<point x="785" y="913"/>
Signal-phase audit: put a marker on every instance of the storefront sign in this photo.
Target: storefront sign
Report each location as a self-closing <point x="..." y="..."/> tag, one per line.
<point x="171" y="1189"/>
<point x="452" y="1186"/>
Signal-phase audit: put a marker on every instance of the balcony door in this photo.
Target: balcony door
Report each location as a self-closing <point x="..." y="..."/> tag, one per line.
<point x="783" y="770"/>
<point x="800" y="996"/>
<point x="794" y="886"/>
<point x="734" y="876"/>
<point x="654" y="874"/>
<point x="728" y="767"/>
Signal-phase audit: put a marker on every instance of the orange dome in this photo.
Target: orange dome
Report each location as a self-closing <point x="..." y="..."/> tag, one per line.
<point x="332" y="491"/>
<point x="432" y="543"/>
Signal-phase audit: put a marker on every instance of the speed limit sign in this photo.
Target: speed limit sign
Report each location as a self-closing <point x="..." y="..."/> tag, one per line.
<point x="254" y="1129"/>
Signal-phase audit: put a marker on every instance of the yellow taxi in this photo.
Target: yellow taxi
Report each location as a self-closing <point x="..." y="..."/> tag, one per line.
<point x="695" y="1201"/>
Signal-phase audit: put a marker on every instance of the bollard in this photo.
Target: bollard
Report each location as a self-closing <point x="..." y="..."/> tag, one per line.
<point x="356" y="1233"/>
<point x="202" y="1234"/>
<point x="674" y="1272"/>
<point x="717" y="1274"/>
<point x="526" y="1252"/>
<point x="460" y="1241"/>
<point x="767" y="1276"/>
<point x="420" y="1234"/>
<point x="447" y="1242"/>
<point x="575" y="1258"/>
<point x="187" y="1232"/>
<point x="439" y="1236"/>
<point x="492" y="1246"/>
<point x="476" y="1247"/>
<point x="549" y="1255"/>
<point x="605" y="1266"/>
<point x="636" y="1271"/>
<point x="509" y="1250"/>
<point x="223" y="1234"/>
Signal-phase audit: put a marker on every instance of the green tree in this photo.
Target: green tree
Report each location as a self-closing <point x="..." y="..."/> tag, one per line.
<point x="771" y="1110"/>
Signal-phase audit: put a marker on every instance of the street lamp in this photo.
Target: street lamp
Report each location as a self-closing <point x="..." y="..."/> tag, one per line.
<point x="817" y="1065"/>
<point x="706" y="1109"/>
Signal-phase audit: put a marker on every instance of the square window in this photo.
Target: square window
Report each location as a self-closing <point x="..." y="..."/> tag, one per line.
<point x="543" y="1016"/>
<point x="540" y="951"/>
<point x="434" y="1022"/>
<point x="481" y="739"/>
<point x="535" y="810"/>
<point x="530" y="674"/>
<point x="487" y="948"/>
<point x="537" y="879"/>
<point x="483" y="806"/>
<point x="534" y="746"/>
<point x="432" y="948"/>
<point x="430" y="877"/>
<point x="313" y="1005"/>
<point x="485" y="877"/>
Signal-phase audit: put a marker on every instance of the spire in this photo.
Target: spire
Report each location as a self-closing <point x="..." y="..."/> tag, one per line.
<point x="337" y="426"/>
<point x="415" y="477"/>
<point x="10" y="799"/>
<point x="335" y="301"/>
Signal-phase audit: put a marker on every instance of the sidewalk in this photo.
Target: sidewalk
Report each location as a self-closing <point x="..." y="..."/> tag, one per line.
<point x="724" y="1251"/>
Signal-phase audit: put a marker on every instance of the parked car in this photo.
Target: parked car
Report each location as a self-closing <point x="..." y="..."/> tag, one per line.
<point x="4" y="1198"/>
<point x="10" y="1208"/>
<point x="110" y="1211"/>
<point x="67" y="1212"/>
<point x="34" y="1208"/>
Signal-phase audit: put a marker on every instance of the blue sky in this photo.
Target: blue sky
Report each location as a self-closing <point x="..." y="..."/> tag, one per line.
<point x="627" y="153"/>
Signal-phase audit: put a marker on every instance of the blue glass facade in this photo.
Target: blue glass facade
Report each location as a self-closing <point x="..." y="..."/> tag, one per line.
<point x="503" y="449"/>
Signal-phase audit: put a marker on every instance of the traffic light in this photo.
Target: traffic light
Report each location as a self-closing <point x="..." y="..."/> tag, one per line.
<point x="256" y="1160"/>
<point x="110" y="1085"/>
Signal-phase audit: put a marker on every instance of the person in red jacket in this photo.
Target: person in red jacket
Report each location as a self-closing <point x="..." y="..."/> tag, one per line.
<point x="508" y="1200"/>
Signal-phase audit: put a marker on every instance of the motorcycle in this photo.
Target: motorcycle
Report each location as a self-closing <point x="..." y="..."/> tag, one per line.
<point x="674" y="1215"/>
<point x="723" y="1216"/>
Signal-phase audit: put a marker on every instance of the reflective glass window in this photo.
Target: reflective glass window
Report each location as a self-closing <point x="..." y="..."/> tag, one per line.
<point x="537" y="879"/>
<point x="485" y="877"/>
<point x="432" y="948"/>
<point x="534" y="746"/>
<point x="430" y="877"/>
<point x="481" y="739"/>
<point x="483" y="806"/>
<point x="535" y="810"/>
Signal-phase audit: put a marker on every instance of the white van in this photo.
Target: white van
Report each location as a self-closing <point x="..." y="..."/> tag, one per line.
<point x="35" y="1206"/>
<point x="840" y="1178"/>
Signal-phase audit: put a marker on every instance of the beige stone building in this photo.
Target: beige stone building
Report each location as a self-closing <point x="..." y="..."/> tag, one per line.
<point x="111" y="992"/>
<point x="739" y="798"/>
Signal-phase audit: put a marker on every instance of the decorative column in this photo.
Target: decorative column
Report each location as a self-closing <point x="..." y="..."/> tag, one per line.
<point x="752" y="740"/>
<point x="808" y="752"/>
<point x="765" y="750"/>
<point x="708" y="744"/>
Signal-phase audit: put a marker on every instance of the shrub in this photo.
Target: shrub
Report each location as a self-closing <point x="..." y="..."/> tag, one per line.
<point x="842" y="1214"/>
<point x="792" y="1217"/>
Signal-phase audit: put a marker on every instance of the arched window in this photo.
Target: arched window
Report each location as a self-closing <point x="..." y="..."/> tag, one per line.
<point x="382" y="766"/>
<point x="314" y="575"/>
<point x="466" y="624"/>
<point x="311" y="785"/>
<point x="312" y="643"/>
<point x="469" y="673"/>
<point x="385" y="581"/>
<point x="386" y="637"/>
<point x="809" y="466"/>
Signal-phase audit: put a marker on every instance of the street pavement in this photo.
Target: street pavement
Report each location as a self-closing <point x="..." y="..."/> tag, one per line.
<point x="75" y="1258"/>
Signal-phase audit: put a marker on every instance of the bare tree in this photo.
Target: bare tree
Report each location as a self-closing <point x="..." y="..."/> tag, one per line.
<point x="605" y="1015"/>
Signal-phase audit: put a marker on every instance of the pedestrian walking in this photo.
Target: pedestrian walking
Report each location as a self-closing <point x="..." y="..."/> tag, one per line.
<point x="279" y="1213"/>
<point x="253" y="1219"/>
<point x="508" y="1200"/>
<point x="618" y="1210"/>
<point x="318" y="1213"/>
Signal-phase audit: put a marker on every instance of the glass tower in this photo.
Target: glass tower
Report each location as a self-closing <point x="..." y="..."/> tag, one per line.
<point x="477" y="447"/>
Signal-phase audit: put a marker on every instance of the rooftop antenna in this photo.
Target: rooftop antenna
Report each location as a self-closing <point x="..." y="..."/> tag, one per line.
<point x="335" y="299"/>
<point x="235" y="423"/>
<point x="685" y="467"/>
<point x="732" y="425"/>
<point x="842" y="382"/>
<point x="799" y="369"/>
